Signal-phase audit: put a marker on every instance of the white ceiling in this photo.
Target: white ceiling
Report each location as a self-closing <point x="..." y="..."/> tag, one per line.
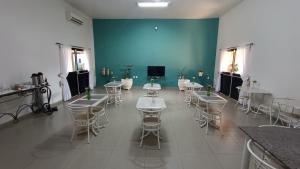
<point x="178" y="9"/>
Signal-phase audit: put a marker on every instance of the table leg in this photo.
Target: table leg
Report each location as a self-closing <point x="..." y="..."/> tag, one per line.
<point x="246" y="155"/>
<point x="249" y="104"/>
<point x="94" y="131"/>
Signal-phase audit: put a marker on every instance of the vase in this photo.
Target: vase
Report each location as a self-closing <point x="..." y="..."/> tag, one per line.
<point x="127" y="83"/>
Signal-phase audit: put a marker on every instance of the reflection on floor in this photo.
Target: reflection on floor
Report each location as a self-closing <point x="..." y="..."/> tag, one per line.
<point x="43" y="142"/>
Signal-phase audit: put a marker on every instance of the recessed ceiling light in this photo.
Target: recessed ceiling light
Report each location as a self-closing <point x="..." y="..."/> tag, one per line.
<point x="157" y="4"/>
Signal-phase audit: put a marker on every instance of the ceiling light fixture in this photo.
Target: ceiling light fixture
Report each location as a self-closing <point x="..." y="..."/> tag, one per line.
<point x="157" y="4"/>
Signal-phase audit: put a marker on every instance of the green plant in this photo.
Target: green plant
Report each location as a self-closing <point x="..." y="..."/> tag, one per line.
<point x="209" y="90"/>
<point x="88" y="93"/>
<point x="127" y="72"/>
<point x="151" y="81"/>
<point x="181" y="73"/>
<point x="194" y="79"/>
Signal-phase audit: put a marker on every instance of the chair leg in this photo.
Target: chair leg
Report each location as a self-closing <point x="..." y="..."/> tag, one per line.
<point x="106" y="118"/>
<point x="73" y="133"/>
<point x="206" y="126"/>
<point x="142" y="139"/>
<point x="88" y="132"/>
<point x="290" y="122"/>
<point x="158" y="141"/>
<point x="257" y="111"/>
<point x="276" y="121"/>
<point x="270" y="114"/>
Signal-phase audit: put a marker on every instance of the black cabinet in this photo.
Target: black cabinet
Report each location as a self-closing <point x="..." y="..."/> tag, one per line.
<point x="78" y="81"/>
<point x="229" y="82"/>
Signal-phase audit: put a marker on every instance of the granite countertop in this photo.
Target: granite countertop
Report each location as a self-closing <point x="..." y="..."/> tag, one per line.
<point x="282" y="143"/>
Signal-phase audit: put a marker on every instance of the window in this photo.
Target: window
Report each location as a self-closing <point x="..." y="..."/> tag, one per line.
<point x="79" y="59"/>
<point x="232" y="60"/>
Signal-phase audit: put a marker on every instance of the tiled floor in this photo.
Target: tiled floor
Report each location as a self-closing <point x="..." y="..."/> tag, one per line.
<point x="43" y="142"/>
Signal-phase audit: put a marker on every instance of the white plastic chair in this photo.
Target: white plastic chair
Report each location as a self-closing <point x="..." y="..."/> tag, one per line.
<point x="273" y="126"/>
<point x="286" y="112"/>
<point x="114" y="94"/>
<point x="188" y="95"/>
<point x="243" y="98"/>
<point x="101" y="114"/>
<point x="209" y="113"/>
<point x="151" y="123"/>
<point x="83" y="118"/>
<point x="259" y="162"/>
<point x="266" y="106"/>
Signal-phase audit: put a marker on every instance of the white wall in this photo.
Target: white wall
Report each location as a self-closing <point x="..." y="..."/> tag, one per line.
<point x="274" y="27"/>
<point x="29" y="30"/>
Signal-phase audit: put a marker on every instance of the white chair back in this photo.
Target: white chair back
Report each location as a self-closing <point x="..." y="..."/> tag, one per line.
<point x="114" y="94"/>
<point x="82" y="117"/>
<point x="259" y="163"/>
<point x="78" y="112"/>
<point x="151" y="123"/>
<point x="273" y="126"/>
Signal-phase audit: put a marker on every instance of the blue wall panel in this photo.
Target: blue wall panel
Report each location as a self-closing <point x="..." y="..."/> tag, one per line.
<point x="176" y="44"/>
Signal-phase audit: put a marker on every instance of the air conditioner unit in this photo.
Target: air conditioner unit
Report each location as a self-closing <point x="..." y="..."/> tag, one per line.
<point x="72" y="17"/>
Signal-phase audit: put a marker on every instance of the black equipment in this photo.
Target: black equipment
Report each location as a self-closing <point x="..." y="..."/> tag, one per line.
<point x="156" y="71"/>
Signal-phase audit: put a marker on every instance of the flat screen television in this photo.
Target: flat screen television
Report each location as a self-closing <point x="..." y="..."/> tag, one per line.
<point x="158" y="71"/>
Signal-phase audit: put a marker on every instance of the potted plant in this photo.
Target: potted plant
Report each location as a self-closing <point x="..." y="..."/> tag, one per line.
<point x="127" y="79"/>
<point x="194" y="79"/>
<point x="181" y="80"/>
<point x="151" y="82"/>
<point x="209" y="90"/>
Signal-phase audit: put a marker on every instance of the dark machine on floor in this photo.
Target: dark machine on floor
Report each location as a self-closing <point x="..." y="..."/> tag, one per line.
<point x="40" y="92"/>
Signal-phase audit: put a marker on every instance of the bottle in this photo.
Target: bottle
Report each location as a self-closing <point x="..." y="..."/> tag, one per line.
<point x="209" y="90"/>
<point x="88" y="93"/>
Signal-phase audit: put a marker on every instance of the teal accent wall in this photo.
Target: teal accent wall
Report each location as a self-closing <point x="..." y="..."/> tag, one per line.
<point x="176" y="44"/>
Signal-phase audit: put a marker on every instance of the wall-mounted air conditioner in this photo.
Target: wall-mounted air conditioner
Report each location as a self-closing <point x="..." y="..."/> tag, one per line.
<point x="72" y="17"/>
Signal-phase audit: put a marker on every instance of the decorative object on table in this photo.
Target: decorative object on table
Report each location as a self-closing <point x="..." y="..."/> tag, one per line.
<point x="113" y="78"/>
<point x="209" y="90"/>
<point x="151" y="82"/>
<point x="181" y="74"/>
<point x="88" y="93"/>
<point x="200" y="73"/>
<point x="194" y="78"/>
<point x="254" y="84"/>
<point x="127" y="79"/>
<point x="248" y="81"/>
